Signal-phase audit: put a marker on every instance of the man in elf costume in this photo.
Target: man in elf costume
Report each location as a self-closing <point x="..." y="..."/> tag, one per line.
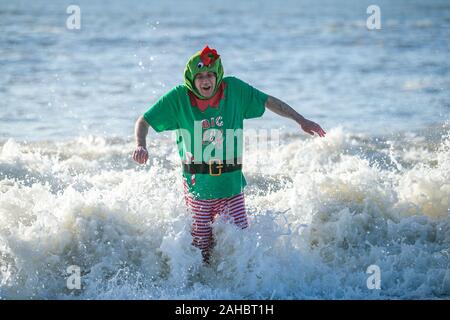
<point x="208" y="112"/>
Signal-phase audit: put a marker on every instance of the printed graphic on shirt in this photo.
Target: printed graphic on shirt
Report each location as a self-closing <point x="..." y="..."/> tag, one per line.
<point x="212" y="131"/>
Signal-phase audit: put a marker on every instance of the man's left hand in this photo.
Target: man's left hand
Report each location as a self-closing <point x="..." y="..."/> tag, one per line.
<point x="311" y="127"/>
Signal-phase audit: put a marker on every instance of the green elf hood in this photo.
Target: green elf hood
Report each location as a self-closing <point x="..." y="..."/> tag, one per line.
<point x="205" y="60"/>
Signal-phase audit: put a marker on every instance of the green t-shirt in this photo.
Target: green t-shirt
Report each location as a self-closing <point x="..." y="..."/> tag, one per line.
<point x="215" y="133"/>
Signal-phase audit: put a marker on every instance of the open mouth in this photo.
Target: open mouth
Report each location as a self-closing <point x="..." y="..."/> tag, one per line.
<point x="206" y="88"/>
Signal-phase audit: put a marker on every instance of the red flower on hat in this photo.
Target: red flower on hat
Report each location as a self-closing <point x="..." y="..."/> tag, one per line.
<point x="208" y="56"/>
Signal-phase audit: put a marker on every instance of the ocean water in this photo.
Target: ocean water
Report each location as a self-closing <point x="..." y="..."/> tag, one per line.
<point x="375" y="191"/>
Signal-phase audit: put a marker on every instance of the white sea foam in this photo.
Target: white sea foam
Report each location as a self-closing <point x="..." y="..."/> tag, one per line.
<point x="321" y="212"/>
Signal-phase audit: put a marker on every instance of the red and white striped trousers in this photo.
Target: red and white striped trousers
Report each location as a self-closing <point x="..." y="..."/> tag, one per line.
<point x="205" y="211"/>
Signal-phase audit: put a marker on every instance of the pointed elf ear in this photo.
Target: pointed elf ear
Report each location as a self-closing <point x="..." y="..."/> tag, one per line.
<point x="208" y="56"/>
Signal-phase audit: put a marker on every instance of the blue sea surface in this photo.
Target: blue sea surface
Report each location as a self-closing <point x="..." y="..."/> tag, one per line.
<point x="318" y="56"/>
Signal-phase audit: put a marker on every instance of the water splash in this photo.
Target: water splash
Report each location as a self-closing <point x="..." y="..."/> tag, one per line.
<point x="321" y="211"/>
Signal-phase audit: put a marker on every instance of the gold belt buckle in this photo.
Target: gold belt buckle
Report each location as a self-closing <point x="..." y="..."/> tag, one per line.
<point x="219" y="166"/>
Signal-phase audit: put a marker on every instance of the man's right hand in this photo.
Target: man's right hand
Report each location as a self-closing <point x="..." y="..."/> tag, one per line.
<point x="140" y="155"/>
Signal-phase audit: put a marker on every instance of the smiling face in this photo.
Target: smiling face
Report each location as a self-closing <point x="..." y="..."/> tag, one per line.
<point x="203" y="73"/>
<point x="205" y="83"/>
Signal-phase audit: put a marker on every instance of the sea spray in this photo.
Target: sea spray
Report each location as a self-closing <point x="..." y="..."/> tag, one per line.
<point x="321" y="212"/>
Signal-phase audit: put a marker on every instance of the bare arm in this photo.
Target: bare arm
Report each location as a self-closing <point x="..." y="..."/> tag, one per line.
<point x="140" y="154"/>
<point x="283" y="109"/>
<point x="140" y="132"/>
